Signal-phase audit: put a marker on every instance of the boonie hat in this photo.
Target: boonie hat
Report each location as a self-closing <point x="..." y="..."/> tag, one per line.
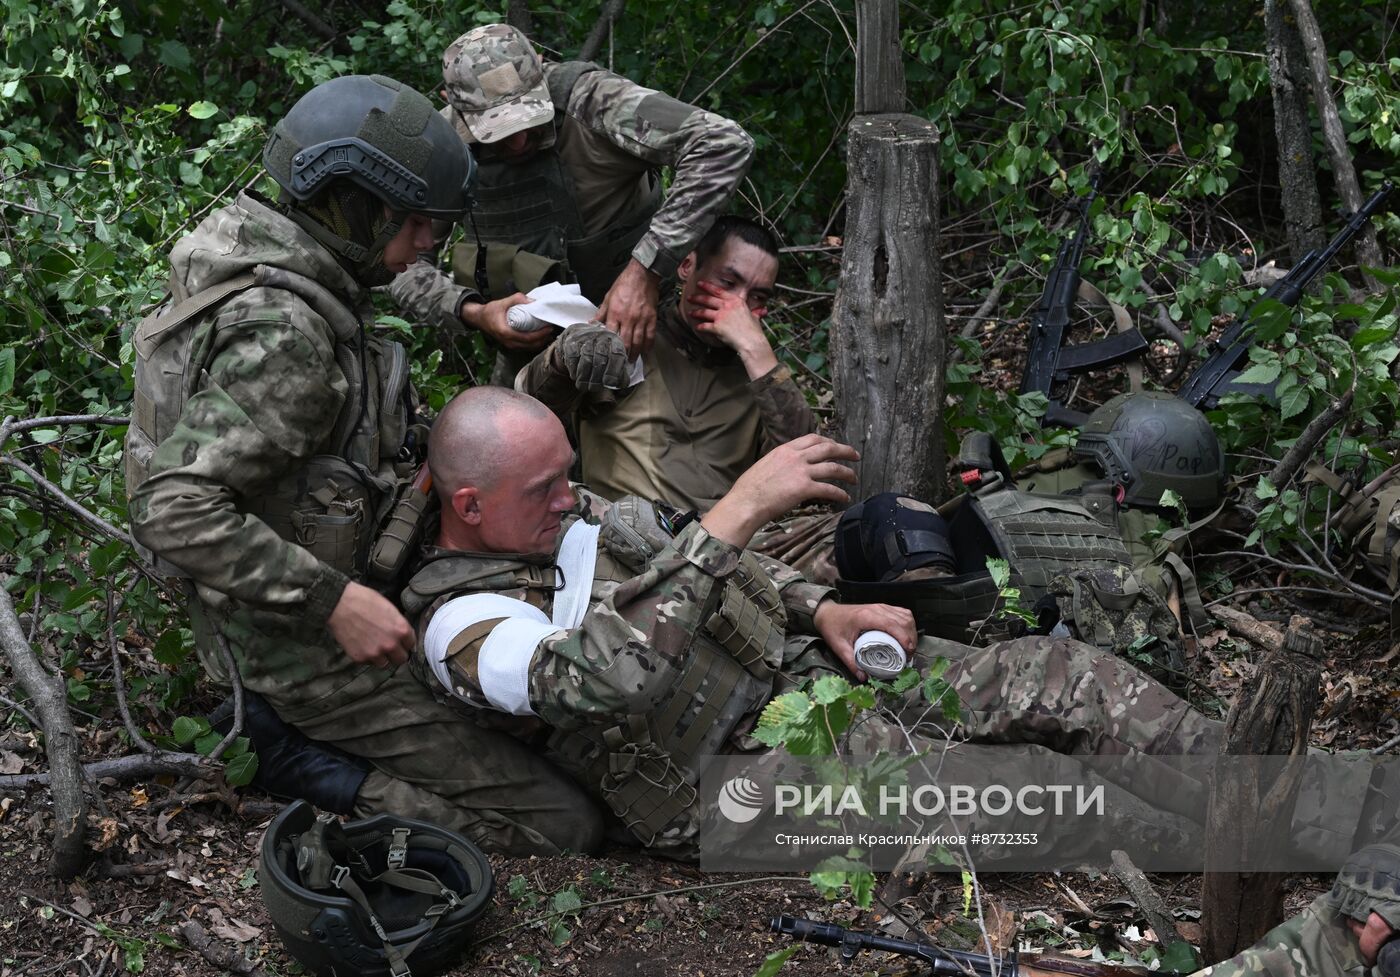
<point x="495" y="81"/>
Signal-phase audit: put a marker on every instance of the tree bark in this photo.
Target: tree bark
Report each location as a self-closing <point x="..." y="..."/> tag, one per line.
<point x="879" y="58"/>
<point x="888" y="342"/>
<point x="1297" y="173"/>
<point x="1272" y="715"/>
<point x="1368" y="252"/>
<point x="612" y="9"/>
<point x="49" y="695"/>
<point x="518" y="16"/>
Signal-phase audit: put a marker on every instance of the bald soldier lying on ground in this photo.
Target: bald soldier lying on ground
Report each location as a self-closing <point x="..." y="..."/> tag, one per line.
<point x="635" y="641"/>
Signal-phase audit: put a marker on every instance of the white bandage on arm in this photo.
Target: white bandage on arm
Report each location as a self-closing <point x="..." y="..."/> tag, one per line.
<point x="503" y="666"/>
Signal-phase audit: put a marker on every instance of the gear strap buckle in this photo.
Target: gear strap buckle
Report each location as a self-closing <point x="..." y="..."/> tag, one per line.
<point x="398" y="849"/>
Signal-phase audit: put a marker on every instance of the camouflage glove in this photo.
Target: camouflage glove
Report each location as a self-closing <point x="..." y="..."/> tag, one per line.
<point x="592" y="356"/>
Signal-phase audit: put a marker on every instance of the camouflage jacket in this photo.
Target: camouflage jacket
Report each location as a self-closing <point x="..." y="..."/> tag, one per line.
<point x="1315" y="943"/>
<point x="684" y="434"/>
<point x="613" y="132"/>
<point x="270" y="402"/>
<point x="634" y="638"/>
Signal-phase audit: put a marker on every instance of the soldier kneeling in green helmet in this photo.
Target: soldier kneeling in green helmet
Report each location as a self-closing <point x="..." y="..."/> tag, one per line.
<point x="1351" y="931"/>
<point x="631" y="640"/>
<point x="269" y="431"/>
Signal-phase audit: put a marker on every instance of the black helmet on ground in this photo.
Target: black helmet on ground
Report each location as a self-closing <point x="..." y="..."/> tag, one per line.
<point x="381" y="897"/>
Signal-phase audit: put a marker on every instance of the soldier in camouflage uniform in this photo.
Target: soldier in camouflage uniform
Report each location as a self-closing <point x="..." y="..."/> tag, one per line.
<point x="643" y="645"/>
<point x="266" y="441"/>
<point x="714" y="400"/>
<point x="570" y="156"/>
<point x="1351" y="931"/>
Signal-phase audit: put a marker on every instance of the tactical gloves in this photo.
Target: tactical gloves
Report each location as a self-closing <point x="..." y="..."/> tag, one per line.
<point x="593" y="357"/>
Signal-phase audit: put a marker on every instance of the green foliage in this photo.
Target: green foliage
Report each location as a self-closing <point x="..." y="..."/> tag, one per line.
<point x="774" y="961"/>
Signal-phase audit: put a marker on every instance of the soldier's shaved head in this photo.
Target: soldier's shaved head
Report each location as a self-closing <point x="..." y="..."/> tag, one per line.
<point x="476" y="437"/>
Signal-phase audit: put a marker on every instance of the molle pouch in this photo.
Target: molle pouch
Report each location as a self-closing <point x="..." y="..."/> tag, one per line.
<point x="633" y="532"/>
<point x="1108" y="608"/>
<point x="323" y="507"/>
<point x="750" y="619"/>
<point x="509" y="269"/>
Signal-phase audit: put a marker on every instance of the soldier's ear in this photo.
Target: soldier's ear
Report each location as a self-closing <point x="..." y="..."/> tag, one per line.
<point x="465" y="505"/>
<point x="687" y="265"/>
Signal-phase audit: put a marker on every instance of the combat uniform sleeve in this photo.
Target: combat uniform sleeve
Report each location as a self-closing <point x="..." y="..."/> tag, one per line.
<point x="621" y="659"/>
<point x="271" y="399"/>
<point x="708" y="154"/>
<point x="800" y="598"/>
<point x="782" y="410"/>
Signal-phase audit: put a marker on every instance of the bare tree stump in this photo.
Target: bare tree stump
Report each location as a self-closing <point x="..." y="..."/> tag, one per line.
<point x="1271" y="716"/>
<point x="888" y="341"/>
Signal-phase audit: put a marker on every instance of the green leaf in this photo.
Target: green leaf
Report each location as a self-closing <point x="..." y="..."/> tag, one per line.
<point x="204" y="745"/>
<point x="187" y="728"/>
<point x="1266" y="372"/>
<point x="829" y="689"/>
<point x="175" y="55"/>
<point x="240" y="770"/>
<point x="1293" y="402"/>
<point x="1180" y="957"/>
<point x="1000" y="571"/>
<point x="967" y="891"/>
<point x="7" y="369"/>
<point x="169" y="649"/>
<point x="559" y="934"/>
<point x="775" y="960"/>
<point x="566" y="901"/>
<point x="203" y="110"/>
<point x="1264" y="489"/>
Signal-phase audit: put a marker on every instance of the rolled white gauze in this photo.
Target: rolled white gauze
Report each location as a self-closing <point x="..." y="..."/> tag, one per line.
<point x="879" y="655"/>
<point x="519" y="318"/>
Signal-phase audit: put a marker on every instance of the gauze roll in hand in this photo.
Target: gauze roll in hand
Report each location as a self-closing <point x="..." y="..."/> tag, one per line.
<point x="519" y="318"/>
<point x="879" y="655"/>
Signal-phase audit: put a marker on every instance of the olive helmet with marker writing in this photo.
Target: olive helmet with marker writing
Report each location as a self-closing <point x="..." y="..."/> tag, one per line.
<point x="386" y="896"/>
<point x="1152" y="442"/>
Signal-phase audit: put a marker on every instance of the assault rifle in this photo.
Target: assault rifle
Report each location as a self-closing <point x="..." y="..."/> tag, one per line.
<point x="1217" y="375"/>
<point x="947" y="963"/>
<point x="1048" y="360"/>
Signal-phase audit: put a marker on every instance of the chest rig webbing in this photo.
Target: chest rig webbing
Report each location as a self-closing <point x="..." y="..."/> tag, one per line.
<point x="334" y="501"/>
<point x="533" y="204"/>
<point x="644" y="766"/>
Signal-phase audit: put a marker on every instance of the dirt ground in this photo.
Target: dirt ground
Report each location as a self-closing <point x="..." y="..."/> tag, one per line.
<point x="164" y="861"/>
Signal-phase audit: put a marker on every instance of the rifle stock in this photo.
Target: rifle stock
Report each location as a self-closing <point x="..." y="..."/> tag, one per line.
<point x="944" y="962"/>
<point x="1215" y="377"/>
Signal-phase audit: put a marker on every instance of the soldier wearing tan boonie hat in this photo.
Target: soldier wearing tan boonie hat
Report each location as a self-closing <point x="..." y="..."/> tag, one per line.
<point x="495" y="82"/>
<point x="569" y="177"/>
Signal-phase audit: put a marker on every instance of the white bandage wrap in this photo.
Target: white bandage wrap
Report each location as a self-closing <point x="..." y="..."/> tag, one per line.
<point x="879" y="654"/>
<point x="503" y="667"/>
<point x="578" y="560"/>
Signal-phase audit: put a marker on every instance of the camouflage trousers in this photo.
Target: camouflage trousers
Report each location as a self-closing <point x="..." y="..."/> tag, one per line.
<point x="805" y="540"/>
<point x="1315" y="943"/>
<point x="1024" y="696"/>
<point x="427" y="761"/>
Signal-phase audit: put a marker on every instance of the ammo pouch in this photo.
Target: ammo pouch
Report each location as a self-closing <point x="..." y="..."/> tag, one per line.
<point x="324" y="507"/>
<point x="509" y="269"/>
<point x="1111" y="610"/>
<point x="1039" y="537"/>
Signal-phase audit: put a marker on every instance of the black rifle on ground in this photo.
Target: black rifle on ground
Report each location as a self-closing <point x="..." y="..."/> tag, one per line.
<point x="1217" y="375"/>
<point x="947" y="963"/>
<point x="1048" y="360"/>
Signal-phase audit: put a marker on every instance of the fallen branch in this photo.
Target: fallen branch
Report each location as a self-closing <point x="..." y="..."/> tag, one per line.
<point x="50" y="697"/>
<point x="1148" y="899"/>
<point x="197" y="938"/>
<point x="1249" y="627"/>
<point x="1302" y="449"/>
<point x="133" y="767"/>
<point x="231" y="669"/>
<point x="119" y="680"/>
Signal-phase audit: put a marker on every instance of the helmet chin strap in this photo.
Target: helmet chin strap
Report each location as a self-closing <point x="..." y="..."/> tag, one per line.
<point x="364" y="263"/>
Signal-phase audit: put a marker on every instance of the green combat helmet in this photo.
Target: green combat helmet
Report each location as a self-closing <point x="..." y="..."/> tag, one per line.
<point x="374" y="897"/>
<point x="384" y="138"/>
<point x="1151" y="442"/>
